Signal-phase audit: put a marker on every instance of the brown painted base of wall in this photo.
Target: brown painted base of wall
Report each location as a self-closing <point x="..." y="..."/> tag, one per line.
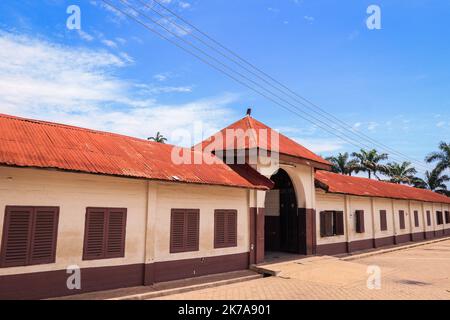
<point x="386" y="241"/>
<point x="41" y="285"/>
<point x="418" y="236"/>
<point x="348" y="247"/>
<point x="402" y="238"/>
<point x="189" y="268"/>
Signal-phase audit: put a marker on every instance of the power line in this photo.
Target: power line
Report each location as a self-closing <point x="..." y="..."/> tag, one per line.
<point x="133" y="17"/>
<point x="328" y="115"/>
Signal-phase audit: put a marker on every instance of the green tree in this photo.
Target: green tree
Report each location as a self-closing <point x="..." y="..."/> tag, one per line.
<point x="434" y="181"/>
<point x="400" y="172"/>
<point x="158" y="138"/>
<point x="370" y="162"/>
<point x="442" y="157"/>
<point x="342" y="164"/>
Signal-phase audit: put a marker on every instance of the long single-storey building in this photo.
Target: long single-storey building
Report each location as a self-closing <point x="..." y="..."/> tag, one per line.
<point x="123" y="213"/>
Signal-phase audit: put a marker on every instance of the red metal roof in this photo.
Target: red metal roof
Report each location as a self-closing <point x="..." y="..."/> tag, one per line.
<point x="261" y="139"/>
<point x="337" y="183"/>
<point x="33" y="143"/>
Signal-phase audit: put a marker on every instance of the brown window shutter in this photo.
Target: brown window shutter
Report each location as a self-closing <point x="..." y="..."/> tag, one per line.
<point x="329" y="223"/>
<point x="416" y="219"/>
<point x="447" y="217"/>
<point x="225" y="228"/>
<point x="177" y="227"/>
<point x="428" y="218"/>
<point x="192" y="230"/>
<point x="94" y="234"/>
<point x="17" y="228"/>
<point x="115" y="236"/>
<point x="360" y="225"/>
<point x="383" y="220"/>
<point x="231" y="228"/>
<point x="44" y="235"/>
<point x="323" y="232"/>
<point x="439" y="217"/>
<point x="339" y="222"/>
<point x="219" y="229"/>
<point x="401" y="217"/>
<point x="184" y="230"/>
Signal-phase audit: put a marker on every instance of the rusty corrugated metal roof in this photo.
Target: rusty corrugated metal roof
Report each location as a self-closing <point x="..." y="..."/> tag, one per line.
<point x="33" y="143"/>
<point x="337" y="183"/>
<point x="261" y="139"/>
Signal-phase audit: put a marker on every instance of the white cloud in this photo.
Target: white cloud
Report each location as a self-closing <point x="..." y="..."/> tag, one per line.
<point x="372" y="126"/>
<point x="441" y="124"/>
<point x="109" y="43"/>
<point x="43" y="80"/>
<point x="309" y="19"/>
<point x="85" y="36"/>
<point x="184" y="5"/>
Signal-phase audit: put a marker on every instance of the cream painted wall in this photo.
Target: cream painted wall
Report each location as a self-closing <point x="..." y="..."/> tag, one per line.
<point x="383" y="204"/>
<point x="360" y="203"/>
<point x="73" y="192"/>
<point x="349" y="204"/>
<point x="401" y="205"/>
<point x="331" y="202"/>
<point x="207" y="199"/>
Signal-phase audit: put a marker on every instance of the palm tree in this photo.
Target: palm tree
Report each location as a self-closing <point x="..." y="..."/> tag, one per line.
<point x="401" y="173"/>
<point x="434" y="181"/>
<point x="369" y="161"/>
<point x="442" y="156"/>
<point x="342" y="164"/>
<point x="158" y="138"/>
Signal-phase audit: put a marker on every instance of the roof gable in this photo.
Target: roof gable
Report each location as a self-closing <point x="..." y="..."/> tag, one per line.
<point x="251" y="133"/>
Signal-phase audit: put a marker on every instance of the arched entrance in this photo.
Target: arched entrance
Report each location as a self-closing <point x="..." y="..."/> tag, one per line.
<point x="281" y="216"/>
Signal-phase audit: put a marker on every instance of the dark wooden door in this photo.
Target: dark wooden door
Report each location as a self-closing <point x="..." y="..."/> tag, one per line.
<point x="289" y="241"/>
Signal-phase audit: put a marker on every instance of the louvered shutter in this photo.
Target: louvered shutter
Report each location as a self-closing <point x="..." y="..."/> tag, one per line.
<point x="439" y="217"/>
<point x="184" y="230"/>
<point x="177" y="231"/>
<point x="94" y="236"/>
<point x="416" y="219"/>
<point x="219" y="229"/>
<point x="192" y="230"/>
<point x="383" y="220"/>
<point x="428" y="218"/>
<point x="225" y="228"/>
<point x="447" y="217"/>
<point x="231" y="231"/>
<point x="323" y="232"/>
<point x="339" y="222"/>
<point x="360" y="225"/>
<point x="401" y="216"/>
<point x="44" y="234"/>
<point x="329" y="223"/>
<point x="17" y="228"/>
<point x="115" y="237"/>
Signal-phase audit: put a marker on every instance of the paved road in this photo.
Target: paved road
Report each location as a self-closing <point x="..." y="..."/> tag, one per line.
<point x="417" y="273"/>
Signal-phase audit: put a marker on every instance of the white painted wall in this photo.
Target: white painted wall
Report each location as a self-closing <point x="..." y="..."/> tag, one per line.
<point x="73" y="192"/>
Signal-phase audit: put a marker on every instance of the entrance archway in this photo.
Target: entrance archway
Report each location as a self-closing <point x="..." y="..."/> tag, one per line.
<point x="281" y="216"/>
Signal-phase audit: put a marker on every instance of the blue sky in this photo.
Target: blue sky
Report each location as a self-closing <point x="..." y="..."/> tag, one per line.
<point x="392" y="84"/>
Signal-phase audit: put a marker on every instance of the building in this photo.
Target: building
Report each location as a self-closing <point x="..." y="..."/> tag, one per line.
<point x="119" y="208"/>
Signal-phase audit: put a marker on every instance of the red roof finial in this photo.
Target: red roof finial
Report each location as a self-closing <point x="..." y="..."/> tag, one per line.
<point x="249" y="112"/>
